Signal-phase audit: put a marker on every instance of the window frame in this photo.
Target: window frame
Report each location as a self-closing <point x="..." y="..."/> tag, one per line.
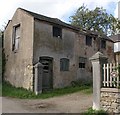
<point x="16" y="38"/>
<point x="103" y="44"/>
<point x="81" y="65"/>
<point x="64" y="64"/>
<point x="88" y="40"/>
<point x="82" y="62"/>
<point x="57" y="31"/>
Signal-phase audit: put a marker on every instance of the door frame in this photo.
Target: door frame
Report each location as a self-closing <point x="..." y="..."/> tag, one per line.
<point x="51" y="76"/>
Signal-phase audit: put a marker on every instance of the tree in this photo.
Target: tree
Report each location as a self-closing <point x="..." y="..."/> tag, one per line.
<point x="96" y="20"/>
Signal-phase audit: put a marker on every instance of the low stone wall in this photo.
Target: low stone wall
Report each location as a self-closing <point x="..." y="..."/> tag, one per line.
<point x="110" y="100"/>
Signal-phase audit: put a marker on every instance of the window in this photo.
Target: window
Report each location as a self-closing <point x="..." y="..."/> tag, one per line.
<point x="64" y="64"/>
<point x="89" y="40"/>
<point x="57" y="32"/>
<point x="82" y="61"/>
<point x="103" y="44"/>
<point x="16" y="37"/>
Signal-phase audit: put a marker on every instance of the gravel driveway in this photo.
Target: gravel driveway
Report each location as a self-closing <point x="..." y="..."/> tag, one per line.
<point x="72" y="103"/>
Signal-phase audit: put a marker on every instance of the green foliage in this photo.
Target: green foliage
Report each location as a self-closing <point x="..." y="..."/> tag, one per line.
<point x="87" y="91"/>
<point x="0" y="68"/>
<point x="11" y="91"/>
<point x="80" y="83"/>
<point x="117" y="69"/>
<point x="95" y="112"/>
<point x="3" y="61"/>
<point x="2" y="56"/>
<point x="96" y="20"/>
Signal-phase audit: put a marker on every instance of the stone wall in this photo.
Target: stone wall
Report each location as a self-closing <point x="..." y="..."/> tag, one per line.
<point x="18" y="67"/>
<point x="71" y="46"/>
<point x="110" y="100"/>
<point x="47" y="45"/>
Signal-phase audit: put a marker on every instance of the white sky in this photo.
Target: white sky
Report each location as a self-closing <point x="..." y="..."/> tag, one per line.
<point x="61" y="9"/>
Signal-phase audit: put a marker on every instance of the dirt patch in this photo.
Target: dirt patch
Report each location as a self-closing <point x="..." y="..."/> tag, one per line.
<point x="72" y="103"/>
<point x="42" y="105"/>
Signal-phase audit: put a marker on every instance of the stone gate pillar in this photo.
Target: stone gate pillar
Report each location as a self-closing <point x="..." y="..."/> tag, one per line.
<point x="38" y="78"/>
<point x="97" y="60"/>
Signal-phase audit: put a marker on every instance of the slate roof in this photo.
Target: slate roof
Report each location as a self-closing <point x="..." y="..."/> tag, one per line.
<point x="63" y="24"/>
<point x="97" y="34"/>
<point x="115" y="38"/>
<point x="51" y="20"/>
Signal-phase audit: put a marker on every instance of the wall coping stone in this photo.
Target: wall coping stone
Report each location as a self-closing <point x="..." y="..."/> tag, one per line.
<point x="116" y="90"/>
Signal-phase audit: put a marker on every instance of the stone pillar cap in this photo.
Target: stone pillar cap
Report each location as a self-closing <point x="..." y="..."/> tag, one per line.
<point x="98" y="55"/>
<point x="38" y="65"/>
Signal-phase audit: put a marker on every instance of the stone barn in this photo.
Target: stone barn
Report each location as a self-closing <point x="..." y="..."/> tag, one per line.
<point x="61" y="48"/>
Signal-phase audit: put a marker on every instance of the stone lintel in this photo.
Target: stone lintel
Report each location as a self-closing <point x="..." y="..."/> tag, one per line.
<point x="38" y="65"/>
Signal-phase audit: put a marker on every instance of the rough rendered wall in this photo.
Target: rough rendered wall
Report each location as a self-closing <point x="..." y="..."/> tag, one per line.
<point x="71" y="46"/>
<point x="47" y="45"/>
<point x="109" y="52"/>
<point x="82" y="50"/>
<point x="19" y="65"/>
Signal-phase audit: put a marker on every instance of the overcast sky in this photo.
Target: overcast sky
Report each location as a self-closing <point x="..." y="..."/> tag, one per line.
<point x="61" y="9"/>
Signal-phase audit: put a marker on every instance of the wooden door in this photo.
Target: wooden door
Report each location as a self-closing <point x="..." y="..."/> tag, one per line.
<point x="47" y="80"/>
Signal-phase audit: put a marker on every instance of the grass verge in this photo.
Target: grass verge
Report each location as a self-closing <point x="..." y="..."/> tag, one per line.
<point x="95" y="112"/>
<point x="11" y="91"/>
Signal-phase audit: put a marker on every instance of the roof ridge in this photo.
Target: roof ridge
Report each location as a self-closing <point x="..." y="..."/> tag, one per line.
<point x="50" y="19"/>
<point x="61" y="23"/>
<point x="33" y="12"/>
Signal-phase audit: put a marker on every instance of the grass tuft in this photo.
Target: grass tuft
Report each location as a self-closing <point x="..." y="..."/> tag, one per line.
<point x="95" y="112"/>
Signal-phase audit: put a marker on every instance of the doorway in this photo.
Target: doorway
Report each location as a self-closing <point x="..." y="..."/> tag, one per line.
<point x="47" y="79"/>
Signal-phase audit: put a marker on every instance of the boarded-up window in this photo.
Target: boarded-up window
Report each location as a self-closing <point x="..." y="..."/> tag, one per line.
<point x="64" y="64"/>
<point x="16" y="38"/>
<point x="57" y="32"/>
<point x="103" y="44"/>
<point x="82" y="61"/>
<point x="88" y="40"/>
